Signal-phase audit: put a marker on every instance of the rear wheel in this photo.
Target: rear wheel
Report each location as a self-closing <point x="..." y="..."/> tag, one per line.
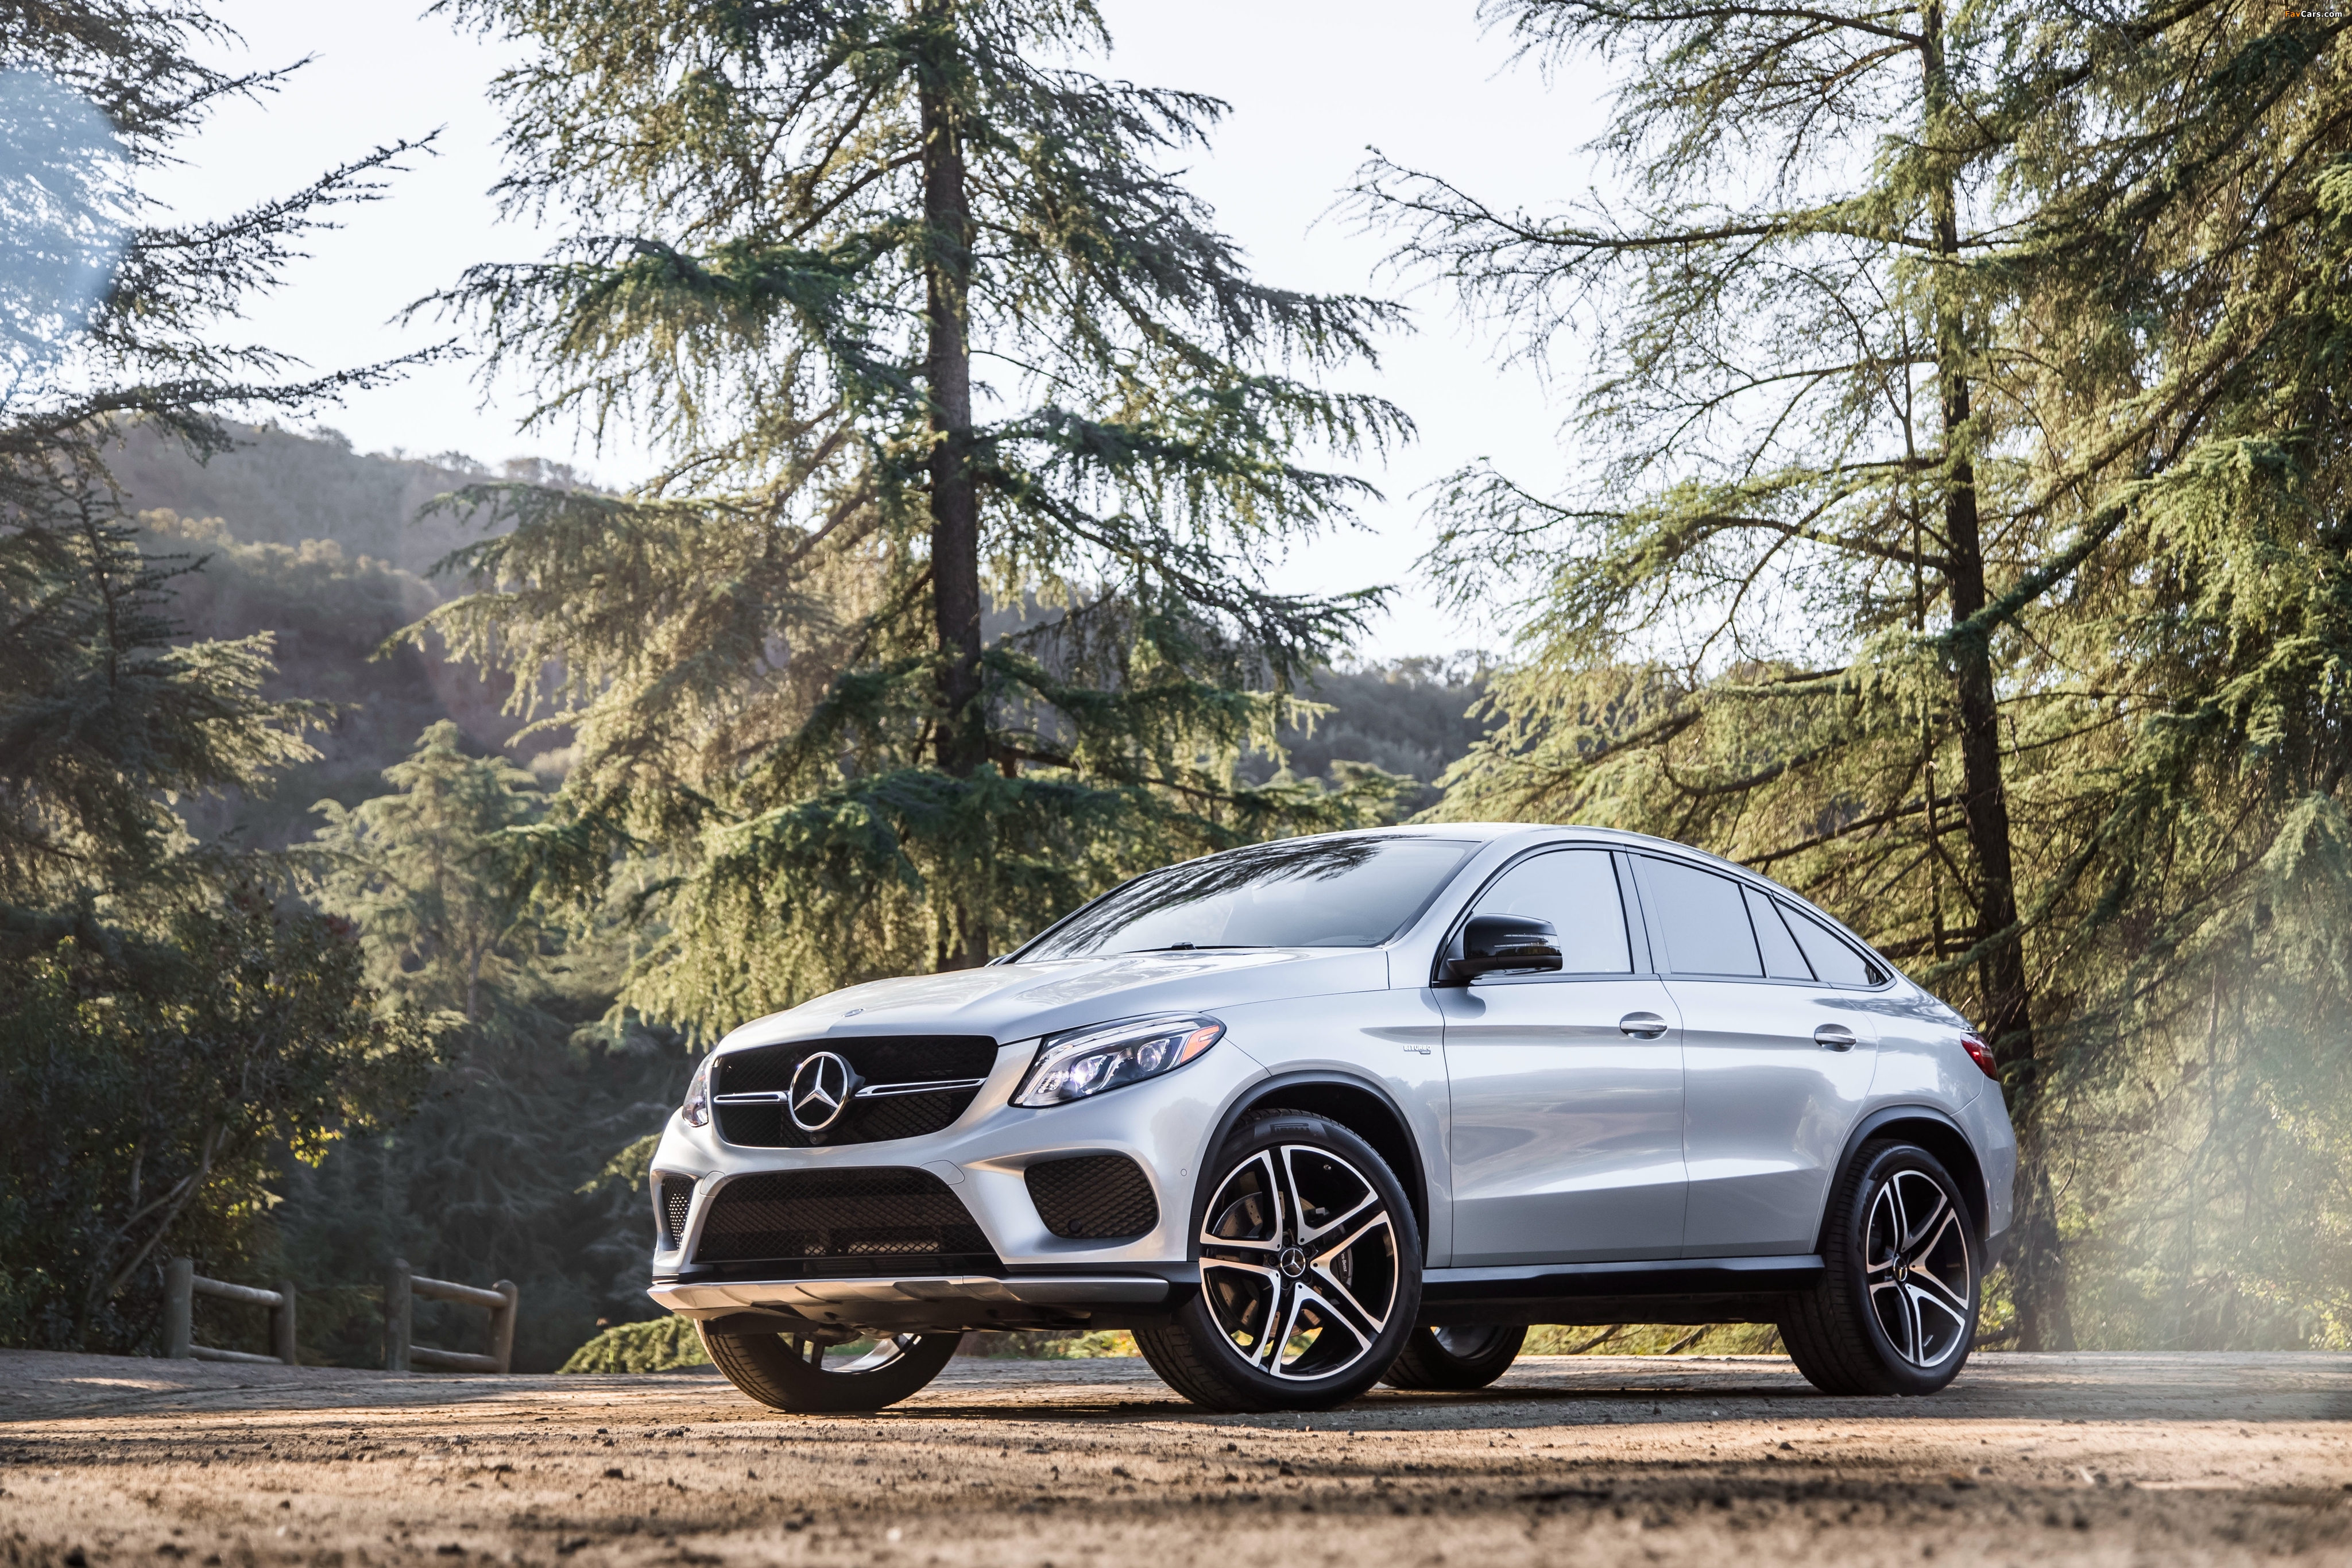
<point x="1897" y="1310"/>
<point x="791" y="1373"/>
<point x="1455" y="1358"/>
<point x="1311" y="1272"/>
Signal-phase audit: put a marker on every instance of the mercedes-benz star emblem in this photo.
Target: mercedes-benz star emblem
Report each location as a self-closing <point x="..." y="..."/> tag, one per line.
<point x="822" y="1087"/>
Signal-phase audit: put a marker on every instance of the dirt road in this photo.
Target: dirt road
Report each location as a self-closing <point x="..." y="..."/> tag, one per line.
<point x="2089" y="1458"/>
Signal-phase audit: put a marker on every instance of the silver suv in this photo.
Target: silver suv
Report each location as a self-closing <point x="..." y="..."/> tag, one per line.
<point x="1363" y="1106"/>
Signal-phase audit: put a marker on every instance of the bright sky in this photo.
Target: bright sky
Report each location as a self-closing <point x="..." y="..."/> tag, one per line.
<point x="1312" y="84"/>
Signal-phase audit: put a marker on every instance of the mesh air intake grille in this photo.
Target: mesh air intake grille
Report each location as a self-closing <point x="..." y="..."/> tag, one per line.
<point x="1094" y="1197"/>
<point x="674" y="1197"/>
<point x="828" y="1224"/>
<point x="881" y="1061"/>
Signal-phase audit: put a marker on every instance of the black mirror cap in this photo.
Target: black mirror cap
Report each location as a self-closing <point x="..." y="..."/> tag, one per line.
<point x="1491" y="944"/>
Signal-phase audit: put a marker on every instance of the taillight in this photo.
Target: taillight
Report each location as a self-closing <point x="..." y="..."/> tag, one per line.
<point x="1981" y="1055"/>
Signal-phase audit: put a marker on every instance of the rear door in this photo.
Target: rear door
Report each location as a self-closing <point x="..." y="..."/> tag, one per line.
<point x="1567" y="1139"/>
<point x="1775" y="1059"/>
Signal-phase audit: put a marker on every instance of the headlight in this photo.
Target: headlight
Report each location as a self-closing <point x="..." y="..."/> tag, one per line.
<point x="1088" y="1061"/>
<point x="696" y="1109"/>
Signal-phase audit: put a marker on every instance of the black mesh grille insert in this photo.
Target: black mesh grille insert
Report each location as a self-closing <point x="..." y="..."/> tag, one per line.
<point x="880" y="1060"/>
<point x="1094" y="1197"/>
<point x="673" y="1197"/>
<point x="825" y="1224"/>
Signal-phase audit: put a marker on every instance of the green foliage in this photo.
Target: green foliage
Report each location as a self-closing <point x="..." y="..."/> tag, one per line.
<point x="817" y="220"/>
<point x="151" y="1090"/>
<point x="503" y="1171"/>
<point x="168" y="1023"/>
<point x="1968" y="549"/>
<point x="445" y="926"/>
<point x="665" y="1345"/>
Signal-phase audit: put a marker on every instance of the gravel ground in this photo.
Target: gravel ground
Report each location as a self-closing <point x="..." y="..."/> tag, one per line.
<point x="1568" y="1460"/>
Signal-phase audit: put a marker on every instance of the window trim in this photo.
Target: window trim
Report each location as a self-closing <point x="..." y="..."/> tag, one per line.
<point x="1741" y="877"/>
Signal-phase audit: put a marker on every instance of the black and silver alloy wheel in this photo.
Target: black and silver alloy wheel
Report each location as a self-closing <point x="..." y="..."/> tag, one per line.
<point x="1897" y="1310"/>
<point x="789" y="1371"/>
<point x="1311" y="1272"/>
<point x="1916" y="1260"/>
<point x="1298" y="1261"/>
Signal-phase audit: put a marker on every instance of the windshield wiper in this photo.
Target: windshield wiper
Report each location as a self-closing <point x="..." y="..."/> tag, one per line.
<point x="1199" y="948"/>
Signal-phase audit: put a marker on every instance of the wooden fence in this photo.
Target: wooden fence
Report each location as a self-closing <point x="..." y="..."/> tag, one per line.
<point x="400" y="1289"/>
<point x="183" y="1284"/>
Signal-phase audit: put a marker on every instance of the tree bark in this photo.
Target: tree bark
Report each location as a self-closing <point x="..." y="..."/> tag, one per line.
<point x="962" y="748"/>
<point x="2036" y="1265"/>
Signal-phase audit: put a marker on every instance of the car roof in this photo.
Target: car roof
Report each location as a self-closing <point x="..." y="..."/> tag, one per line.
<point x="1494" y="832"/>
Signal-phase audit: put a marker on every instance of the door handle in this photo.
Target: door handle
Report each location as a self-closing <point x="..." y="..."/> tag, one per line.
<point x="1642" y="1026"/>
<point x="1833" y="1037"/>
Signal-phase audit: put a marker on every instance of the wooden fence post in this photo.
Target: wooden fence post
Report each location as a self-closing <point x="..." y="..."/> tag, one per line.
<point x="179" y="1303"/>
<point x="502" y="1326"/>
<point x="281" y="1326"/>
<point x="396" y="1309"/>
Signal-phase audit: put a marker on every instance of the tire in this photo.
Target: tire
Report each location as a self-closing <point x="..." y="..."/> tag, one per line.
<point x="1897" y="1310"/>
<point x="1458" y="1359"/>
<point x="1350" y="1292"/>
<point x="790" y="1374"/>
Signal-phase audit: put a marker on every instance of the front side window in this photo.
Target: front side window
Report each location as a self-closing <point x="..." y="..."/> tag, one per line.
<point x="1575" y="890"/>
<point x="1297" y="892"/>
<point x="1702" y="919"/>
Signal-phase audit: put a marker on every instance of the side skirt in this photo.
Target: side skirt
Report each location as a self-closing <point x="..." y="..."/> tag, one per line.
<point x="1668" y="1291"/>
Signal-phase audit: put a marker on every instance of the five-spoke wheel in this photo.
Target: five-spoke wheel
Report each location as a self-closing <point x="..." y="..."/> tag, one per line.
<point x="1917" y="1261"/>
<point x="1897" y="1310"/>
<point x="1311" y="1272"/>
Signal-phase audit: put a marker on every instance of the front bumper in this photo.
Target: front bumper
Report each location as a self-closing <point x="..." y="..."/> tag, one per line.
<point x="933" y="1304"/>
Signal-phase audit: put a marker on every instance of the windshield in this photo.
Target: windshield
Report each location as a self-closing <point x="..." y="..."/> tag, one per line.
<point x="1301" y="893"/>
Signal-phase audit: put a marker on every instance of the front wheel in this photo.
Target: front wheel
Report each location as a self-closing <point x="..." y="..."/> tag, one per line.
<point x="1311" y="1272"/>
<point x="1897" y="1310"/>
<point x="790" y="1373"/>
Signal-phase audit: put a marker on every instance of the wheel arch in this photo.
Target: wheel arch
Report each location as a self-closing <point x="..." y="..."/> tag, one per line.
<point x="1934" y="1130"/>
<point x="1356" y="1104"/>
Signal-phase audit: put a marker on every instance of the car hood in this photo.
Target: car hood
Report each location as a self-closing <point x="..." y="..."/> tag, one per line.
<point x="1019" y="1001"/>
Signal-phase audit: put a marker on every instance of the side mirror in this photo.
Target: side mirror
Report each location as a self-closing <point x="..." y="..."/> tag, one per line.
<point x="1493" y="943"/>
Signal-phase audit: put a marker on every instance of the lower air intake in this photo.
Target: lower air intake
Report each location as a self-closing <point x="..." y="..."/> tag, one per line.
<point x="1095" y="1198"/>
<point x="673" y="1200"/>
<point x="830" y="1224"/>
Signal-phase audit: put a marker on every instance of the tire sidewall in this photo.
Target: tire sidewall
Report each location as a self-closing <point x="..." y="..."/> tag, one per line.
<point x="1850" y="1244"/>
<point x="1259" y="1132"/>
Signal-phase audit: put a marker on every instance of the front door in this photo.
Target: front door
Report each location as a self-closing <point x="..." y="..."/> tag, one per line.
<point x="1776" y="1061"/>
<point x="1567" y="1128"/>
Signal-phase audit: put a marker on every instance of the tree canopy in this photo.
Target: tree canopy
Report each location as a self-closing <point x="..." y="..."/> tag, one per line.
<point x="924" y="322"/>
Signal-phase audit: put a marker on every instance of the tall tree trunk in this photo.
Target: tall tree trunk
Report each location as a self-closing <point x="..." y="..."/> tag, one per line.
<point x="963" y="745"/>
<point x="2036" y="1263"/>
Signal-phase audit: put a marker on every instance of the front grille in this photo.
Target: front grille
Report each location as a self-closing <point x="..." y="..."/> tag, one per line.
<point x="673" y="1199"/>
<point x="882" y="1061"/>
<point x="828" y="1224"/>
<point x="1095" y="1198"/>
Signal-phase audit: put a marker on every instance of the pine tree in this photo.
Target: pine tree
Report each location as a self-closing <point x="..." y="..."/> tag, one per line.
<point x="418" y="870"/>
<point x="1941" y="414"/>
<point x="173" y="1030"/>
<point x="924" y="324"/>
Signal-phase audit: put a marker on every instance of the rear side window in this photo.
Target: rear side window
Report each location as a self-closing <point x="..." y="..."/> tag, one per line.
<point x="1703" y="918"/>
<point x="1832" y="961"/>
<point x="1782" y="959"/>
<point x="1575" y="890"/>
